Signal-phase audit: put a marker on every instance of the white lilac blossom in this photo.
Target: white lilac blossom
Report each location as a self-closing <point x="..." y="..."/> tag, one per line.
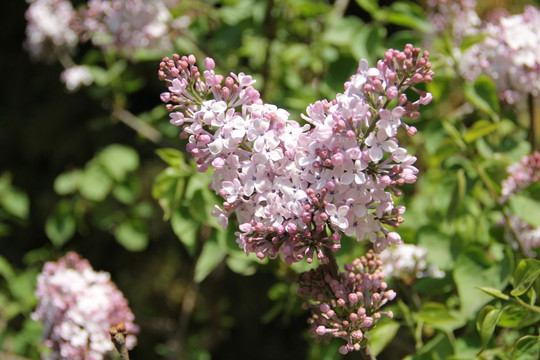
<point x="50" y="26"/>
<point x="348" y="305"/>
<point x="296" y="189"/>
<point x="128" y="25"/>
<point x="407" y="262"/>
<point x="76" y="76"/>
<point x="78" y="306"/>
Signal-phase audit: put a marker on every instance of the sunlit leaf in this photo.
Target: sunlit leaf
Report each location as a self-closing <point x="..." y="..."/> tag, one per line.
<point x="525" y="274"/>
<point x="67" y="183"/>
<point x="95" y="184"/>
<point x="486" y="323"/>
<point x="382" y="335"/>
<point x="211" y="256"/>
<point x="482" y="93"/>
<point x="185" y="228"/>
<point x="118" y="160"/>
<point x="472" y="270"/>
<point x="131" y="235"/>
<point x="527" y="348"/>
<point x="494" y="292"/>
<point x="479" y="129"/>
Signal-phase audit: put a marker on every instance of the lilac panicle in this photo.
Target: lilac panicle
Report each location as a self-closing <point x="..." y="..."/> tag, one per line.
<point x="346" y="306"/>
<point x="297" y="189"/>
<point x="77" y="306"/>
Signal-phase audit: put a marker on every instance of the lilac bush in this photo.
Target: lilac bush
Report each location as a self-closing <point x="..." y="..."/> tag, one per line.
<point x="77" y="306"/>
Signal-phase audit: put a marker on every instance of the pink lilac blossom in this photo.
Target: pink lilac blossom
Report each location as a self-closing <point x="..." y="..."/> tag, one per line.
<point x="128" y="25"/>
<point x="407" y="262"/>
<point x="50" y="27"/>
<point x="348" y="305"/>
<point x="527" y="235"/>
<point x="296" y="189"/>
<point x="458" y="17"/>
<point x="77" y="306"/>
<point x="522" y="175"/>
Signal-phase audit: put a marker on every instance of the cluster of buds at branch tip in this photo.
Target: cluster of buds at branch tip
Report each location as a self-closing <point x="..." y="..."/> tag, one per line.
<point x="348" y="305"/>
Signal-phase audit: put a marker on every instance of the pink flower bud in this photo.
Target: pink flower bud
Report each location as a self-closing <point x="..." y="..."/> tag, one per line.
<point x="209" y="63"/>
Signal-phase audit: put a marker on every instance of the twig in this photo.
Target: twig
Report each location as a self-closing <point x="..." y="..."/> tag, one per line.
<point x="118" y="337"/>
<point x="367" y="354"/>
<point x="340" y="6"/>
<point x="137" y="124"/>
<point x="534" y="117"/>
<point x="8" y="356"/>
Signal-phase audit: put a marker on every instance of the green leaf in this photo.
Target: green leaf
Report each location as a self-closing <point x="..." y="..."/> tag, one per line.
<point x="525" y="274"/>
<point x="14" y="201"/>
<point x="118" y="160"/>
<point x="211" y="256"/>
<point x="60" y="225"/>
<point x="457" y="194"/>
<point x="126" y="191"/>
<point x="527" y="348"/>
<point x="408" y="15"/>
<point x="371" y="6"/>
<point x="174" y="158"/>
<point x="185" y="228"/>
<point x="494" y="292"/>
<point x="67" y="183"/>
<point x="95" y="184"/>
<point x="382" y="335"/>
<point x="6" y="271"/>
<point x="526" y="208"/>
<point x="483" y="94"/>
<point x="241" y="265"/>
<point x="487" y="321"/>
<point x="480" y="129"/>
<point x="470" y="40"/>
<point x="168" y="190"/>
<point x="131" y="235"/>
<point x="440" y="316"/>
<point x="516" y="316"/>
<point x="438" y="246"/>
<point x="473" y="270"/>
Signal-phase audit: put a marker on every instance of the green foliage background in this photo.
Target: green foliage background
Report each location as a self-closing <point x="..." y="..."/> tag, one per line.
<point x="73" y="176"/>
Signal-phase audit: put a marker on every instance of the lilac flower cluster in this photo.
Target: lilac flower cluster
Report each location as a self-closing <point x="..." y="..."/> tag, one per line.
<point x="522" y="175"/>
<point x="124" y="25"/>
<point x="457" y="17"/>
<point x="127" y="25"/>
<point x="78" y="306"/>
<point x="407" y="262"/>
<point x="348" y="305"/>
<point x="296" y="189"/>
<point x="508" y="53"/>
<point x="527" y="235"/>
